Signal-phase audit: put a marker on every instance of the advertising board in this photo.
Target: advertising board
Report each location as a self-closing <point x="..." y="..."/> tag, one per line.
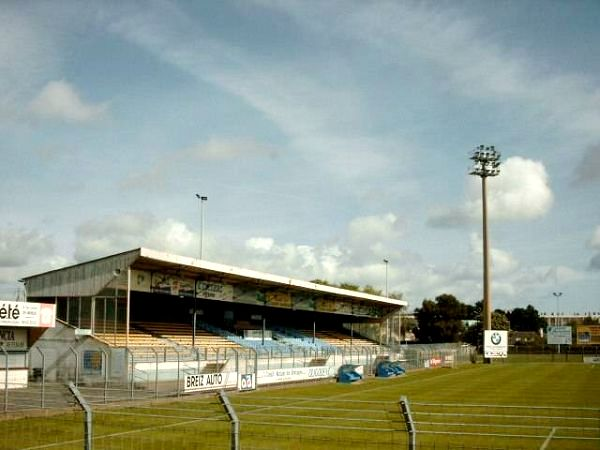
<point x="268" y="376"/>
<point x="247" y="382"/>
<point x="495" y="343"/>
<point x="27" y="314"/>
<point x="209" y="381"/>
<point x="588" y="334"/>
<point x="559" y="335"/>
<point x="13" y="338"/>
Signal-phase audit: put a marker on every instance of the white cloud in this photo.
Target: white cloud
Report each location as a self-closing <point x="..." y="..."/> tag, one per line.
<point x="370" y="231"/>
<point x="218" y="148"/>
<point x="595" y="245"/>
<point x="59" y="100"/>
<point x="19" y="247"/>
<point x="24" y="252"/>
<point x="215" y="149"/>
<point x="260" y="244"/>
<point x="470" y="61"/>
<point x="322" y="114"/>
<point x="127" y="231"/>
<point x="502" y="262"/>
<point x="521" y="192"/>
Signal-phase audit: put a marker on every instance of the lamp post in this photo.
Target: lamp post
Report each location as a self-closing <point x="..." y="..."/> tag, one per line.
<point x="202" y="199"/>
<point x="557" y="295"/>
<point x="486" y="163"/>
<point x="387" y="320"/>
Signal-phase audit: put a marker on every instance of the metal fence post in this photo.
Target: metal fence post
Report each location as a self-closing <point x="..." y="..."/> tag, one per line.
<point x="5" y="377"/>
<point x="105" y="366"/>
<point x="42" y="400"/>
<point x="410" y="425"/>
<point x="178" y="370"/>
<point x="88" y="416"/>
<point x="235" y="423"/>
<point x="155" y="372"/>
<point x="76" y="365"/>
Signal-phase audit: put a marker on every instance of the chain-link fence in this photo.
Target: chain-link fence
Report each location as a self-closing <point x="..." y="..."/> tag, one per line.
<point x="137" y="398"/>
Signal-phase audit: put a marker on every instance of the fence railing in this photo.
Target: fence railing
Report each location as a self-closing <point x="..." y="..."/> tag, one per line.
<point x="137" y="400"/>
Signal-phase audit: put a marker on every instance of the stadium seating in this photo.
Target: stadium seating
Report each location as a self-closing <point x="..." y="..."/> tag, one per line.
<point x="137" y="338"/>
<point x="339" y="339"/>
<point x="182" y="334"/>
<point x="163" y="334"/>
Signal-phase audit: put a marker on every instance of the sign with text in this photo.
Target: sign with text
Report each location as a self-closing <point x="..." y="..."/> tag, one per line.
<point x="13" y="338"/>
<point x="559" y="335"/>
<point x="209" y="381"/>
<point x="27" y="314"/>
<point x="214" y="291"/>
<point x="495" y="343"/>
<point x="269" y="376"/>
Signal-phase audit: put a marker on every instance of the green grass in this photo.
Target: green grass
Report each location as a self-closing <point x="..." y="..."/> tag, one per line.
<point x="469" y="401"/>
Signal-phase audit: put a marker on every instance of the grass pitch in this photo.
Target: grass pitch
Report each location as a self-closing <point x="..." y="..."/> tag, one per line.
<point x="497" y="406"/>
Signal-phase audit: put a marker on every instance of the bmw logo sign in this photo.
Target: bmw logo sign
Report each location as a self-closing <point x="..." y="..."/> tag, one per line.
<point x="496" y="338"/>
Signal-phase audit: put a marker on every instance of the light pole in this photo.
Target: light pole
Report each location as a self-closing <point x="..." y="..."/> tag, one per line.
<point x="202" y="199"/>
<point x="387" y="320"/>
<point x="556" y="322"/>
<point x="486" y="163"/>
<point x="386" y="262"/>
<point x="557" y="295"/>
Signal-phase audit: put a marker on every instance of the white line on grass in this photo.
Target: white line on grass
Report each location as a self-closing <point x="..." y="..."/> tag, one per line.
<point x="548" y="439"/>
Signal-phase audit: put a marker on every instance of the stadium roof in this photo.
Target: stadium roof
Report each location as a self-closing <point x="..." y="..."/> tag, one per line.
<point x="89" y="278"/>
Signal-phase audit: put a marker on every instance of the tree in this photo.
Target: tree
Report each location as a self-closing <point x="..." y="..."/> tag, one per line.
<point x="349" y="286"/>
<point x="441" y="320"/>
<point x="527" y="319"/>
<point x="368" y="289"/>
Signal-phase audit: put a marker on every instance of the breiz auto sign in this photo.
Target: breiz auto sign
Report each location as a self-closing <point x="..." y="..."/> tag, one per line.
<point x="27" y="314"/>
<point x="208" y="381"/>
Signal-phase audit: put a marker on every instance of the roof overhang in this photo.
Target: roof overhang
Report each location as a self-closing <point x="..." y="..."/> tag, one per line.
<point x="90" y="277"/>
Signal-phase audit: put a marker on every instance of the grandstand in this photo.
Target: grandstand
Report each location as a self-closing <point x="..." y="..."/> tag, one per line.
<point x="143" y="301"/>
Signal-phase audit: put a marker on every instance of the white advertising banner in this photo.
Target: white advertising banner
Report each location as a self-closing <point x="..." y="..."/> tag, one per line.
<point x="17" y="379"/>
<point x="27" y="314"/>
<point x="302" y="373"/>
<point x="495" y="343"/>
<point x="209" y="381"/>
<point x="559" y="335"/>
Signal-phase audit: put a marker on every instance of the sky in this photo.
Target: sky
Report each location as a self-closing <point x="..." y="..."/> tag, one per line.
<point x="328" y="136"/>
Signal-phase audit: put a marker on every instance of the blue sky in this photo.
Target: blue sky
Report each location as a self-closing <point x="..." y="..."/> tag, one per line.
<point x="328" y="136"/>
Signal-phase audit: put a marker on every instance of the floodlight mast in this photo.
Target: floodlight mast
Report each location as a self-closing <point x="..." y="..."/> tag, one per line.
<point x="486" y="163"/>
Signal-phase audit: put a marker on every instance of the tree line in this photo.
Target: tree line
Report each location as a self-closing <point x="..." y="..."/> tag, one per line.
<point x="446" y="319"/>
